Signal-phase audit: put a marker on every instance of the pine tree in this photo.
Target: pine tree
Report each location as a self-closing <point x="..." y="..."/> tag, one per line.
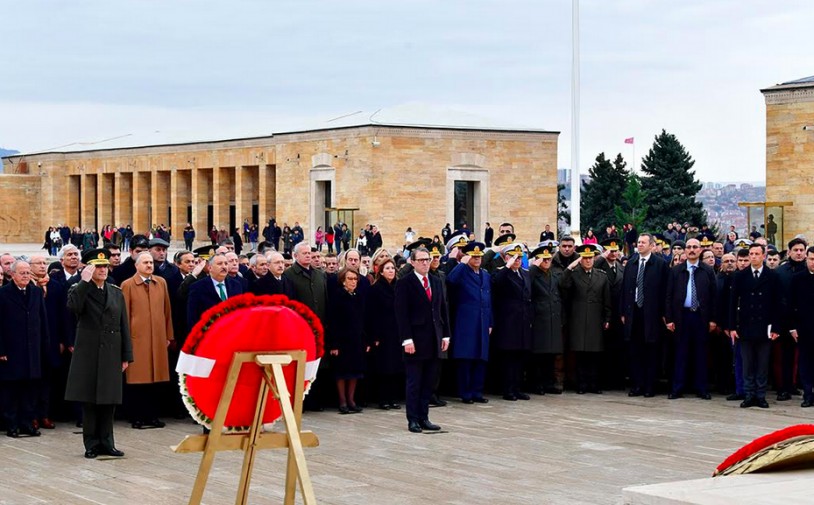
<point x="603" y="192"/>
<point x="669" y="184"/>
<point x="632" y="208"/>
<point x="563" y="214"/>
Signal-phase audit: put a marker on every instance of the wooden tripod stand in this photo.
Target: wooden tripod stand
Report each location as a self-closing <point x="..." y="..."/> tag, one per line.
<point x="272" y="364"/>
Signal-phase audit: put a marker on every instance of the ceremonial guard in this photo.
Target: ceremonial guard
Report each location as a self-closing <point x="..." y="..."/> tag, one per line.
<point x="587" y="293"/>
<point x="470" y="286"/>
<point x="513" y="315"/>
<point x="102" y="352"/>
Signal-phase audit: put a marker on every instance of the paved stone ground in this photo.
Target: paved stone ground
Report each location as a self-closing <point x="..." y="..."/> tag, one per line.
<point x="564" y="450"/>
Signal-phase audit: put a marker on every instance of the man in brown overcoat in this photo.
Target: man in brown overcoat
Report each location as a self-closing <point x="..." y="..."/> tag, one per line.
<point x="150" y="315"/>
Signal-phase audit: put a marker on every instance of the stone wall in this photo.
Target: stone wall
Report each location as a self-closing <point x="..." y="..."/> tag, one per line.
<point x="20" y="204"/>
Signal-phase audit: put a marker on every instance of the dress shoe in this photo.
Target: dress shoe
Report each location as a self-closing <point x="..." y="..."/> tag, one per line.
<point x="110" y="451"/>
<point x="395" y="406"/>
<point x="137" y="425"/>
<point x="553" y="390"/>
<point x="796" y="392"/>
<point x="595" y="391"/>
<point x="156" y="423"/>
<point x="735" y="397"/>
<point x="674" y="396"/>
<point x="522" y="396"/>
<point x="30" y="431"/>
<point x="467" y="401"/>
<point x="745" y="404"/>
<point x="649" y="394"/>
<point x="480" y="399"/>
<point x="343" y="409"/>
<point x="414" y="427"/>
<point x="355" y="409"/>
<point x="91" y="454"/>
<point x="427" y="425"/>
<point x="539" y="391"/>
<point x="47" y="424"/>
<point x="634" y="392"/>
<point x="13" y="433"/>
<point x="762" y="403"/>
<point x="704" y="396"/>
<point x="36" y="424"/>
<point x="807" y="403"/>
<point x="510" y="398"/>
<point x="437" y="402"/>
<point x="580" y="391"/>
<point x="384" y="406"/>
<point x="783" y="397"/>
<point x="79" y="424"/>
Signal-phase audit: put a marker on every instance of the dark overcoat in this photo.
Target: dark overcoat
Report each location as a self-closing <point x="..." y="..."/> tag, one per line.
<point x="589" y="308"/>
<point x="513" y="312"/>
<point x="102" y="344"/>
<point x="547" y="325"/>
<point x="706" y="289"/>
<point x="309" y="288"/>
<point x="655" y="289"/>
<point x="346" y="333"/>
<point x="471" y="315"/>
<point x="23" y="332"/>
<point x="203" y="296"/>
<point x="381" y="327"/>
<point x="755" y="304"/>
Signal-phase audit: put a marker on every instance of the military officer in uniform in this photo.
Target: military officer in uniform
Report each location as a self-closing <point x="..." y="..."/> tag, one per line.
<point x="546" y="339"/>
<point x="101" y="353"/>
<point x="493" y="259"/>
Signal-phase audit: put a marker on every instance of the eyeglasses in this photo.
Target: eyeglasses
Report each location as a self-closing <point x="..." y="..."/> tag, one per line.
<point x="693" y="247"/>
<point x="115" y="254"/>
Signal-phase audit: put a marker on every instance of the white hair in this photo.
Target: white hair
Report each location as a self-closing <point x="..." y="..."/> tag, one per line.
<point x="66" y="249"/>
<point x="300" y="245"/>
<point x="142" y="255"/>
<point x="16" y="264"/>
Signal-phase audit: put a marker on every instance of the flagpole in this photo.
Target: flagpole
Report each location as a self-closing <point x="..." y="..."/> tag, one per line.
<point x="576" y="181"/>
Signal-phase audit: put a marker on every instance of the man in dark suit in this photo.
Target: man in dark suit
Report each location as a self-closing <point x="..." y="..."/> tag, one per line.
<point x="754" y="318"/>
<point x="642" y="308"/>
<point x="127" y="269"/>
<point x="690" y="315"/>
<point x="274" y="282"/>
<point x="784" y="348"/>
<point x="801" y="321"/>
<point x="23" y="342"/>
<point x="423" y="326"/>
<point x="613" y="365"/>
<point x="209" y="292"/>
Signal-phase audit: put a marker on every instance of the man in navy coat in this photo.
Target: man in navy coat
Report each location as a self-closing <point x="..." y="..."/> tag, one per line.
<point x="23" y="341"/>
<point x="208" y="292"/>
<point x="423" y="326"/>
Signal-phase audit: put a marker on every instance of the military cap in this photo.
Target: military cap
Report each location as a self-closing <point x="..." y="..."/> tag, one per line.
<point x="513" y="249"/>
<point x="661" y="239"/>
<point x="506" y="238"/>
<point x="158" y="242"/>
<point x="420" y="242"/>
<point x="548" y="243"/>
<point x="436" y="249"/>
<point x="457" y="241"/>
<point x="96" y="257"/>
<point x="741" y="243"/>
<point x="586" y="250"/>
<point x="612" y="244"/>
<point x="204" y="252"/>
<point x="474" y="249"/>
<point x="680" y="243"/>
<point x="542" y="251"/>
<point x="263" y="246"/>
<point x="287" y="256"/>
<point x="139" y="241"/>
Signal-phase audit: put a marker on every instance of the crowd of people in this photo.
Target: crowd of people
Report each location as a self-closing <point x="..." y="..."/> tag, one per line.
<point x="670" y="313"/>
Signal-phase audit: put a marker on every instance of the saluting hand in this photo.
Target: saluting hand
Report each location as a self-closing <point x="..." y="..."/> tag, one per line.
<point x="511" y="261"/>
<point x="465" y="259"/>
<point x="87" y="273"/>
<point x="199" y="267"/>
<point x="574" y="264"/>
<point x="537" y="262"/>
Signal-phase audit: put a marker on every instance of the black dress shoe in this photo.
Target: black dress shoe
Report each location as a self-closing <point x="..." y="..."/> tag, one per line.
<point x="480" y="399"/>
<point x="355" y="409"/>
<point x="634" y="392"/>
<point x="91" y="454"/>
<point x="467" y="401"/>
<point x="735" y="397"/>
<point x="540" y="391"/>
<point x="157" y="423"/>
<point x="762" y="403"/>
<point x="522" y="396"/>
<point x="649" y="394"/>
<point x="414" y="427"/>
<point x="674" y="396"/>
<point x="745" y="404"/>
<point x="110" y="451"/>
<point x="137" y="425"/>
<point x="783" y="397"/>
<point x="553" y="391"/>
<point x="343" y="409"/>
<point x="510" y="398"/>
<point x="437" y="402"/>
<point x="807" y="403"/>
<point x="13" y="433"/>
<point x="384" y="406"/>
<point x="580" y="391"/>
<point x="704" y="396"/>
<point x="595" y="391"/>
<point x="427" y="425"/>
<point x="79" y="424"/>
<point x="395" y="406"/>
<point x="796" y="392"/>
<point x="30" y="431"/>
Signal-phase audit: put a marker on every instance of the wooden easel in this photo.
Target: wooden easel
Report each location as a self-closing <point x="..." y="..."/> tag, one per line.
<point x="272" y="364"/>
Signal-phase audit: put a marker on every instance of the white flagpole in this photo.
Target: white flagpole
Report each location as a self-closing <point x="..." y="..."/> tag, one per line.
<point x="576" y="181"/>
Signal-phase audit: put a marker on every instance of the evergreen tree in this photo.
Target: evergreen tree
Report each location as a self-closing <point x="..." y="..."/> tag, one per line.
<point x="603" y="192"/>
<point x="669" y="184"/>
<point x="563" y="214"/>
<point x="632" y="208"/>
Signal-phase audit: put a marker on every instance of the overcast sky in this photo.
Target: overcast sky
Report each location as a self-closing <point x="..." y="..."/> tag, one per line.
<point x="86" y="70"/>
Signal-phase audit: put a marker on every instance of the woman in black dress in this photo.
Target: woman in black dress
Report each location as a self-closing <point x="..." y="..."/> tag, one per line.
<point x="383" y="336"/>
<point x="346" y="339"/>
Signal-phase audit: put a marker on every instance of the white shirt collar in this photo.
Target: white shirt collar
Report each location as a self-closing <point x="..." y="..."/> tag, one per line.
<point x="644" y="258"/>
<point x="421" y="277"/>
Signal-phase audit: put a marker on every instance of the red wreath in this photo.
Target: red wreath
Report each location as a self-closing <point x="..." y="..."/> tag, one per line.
<point x="245" y="323"/>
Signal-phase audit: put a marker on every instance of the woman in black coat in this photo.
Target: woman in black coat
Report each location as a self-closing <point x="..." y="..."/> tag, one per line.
<point x="382" y="334"/>
<point x="346" y="339"/>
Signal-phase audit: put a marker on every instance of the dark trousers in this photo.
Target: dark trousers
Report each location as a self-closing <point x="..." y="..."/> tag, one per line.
<point x="512" y="365"/>
<point x="421" y="375"/>
<point x="97" y="427"/>
<point x="47" y="393"/>
<point x="143" y="401"/>
<point x="806" y="364"/>
<point x="644" y="357"/>
<point x="188" y="244"/>
<point x="17" y="399"/>
<point x="389" y="385"/>
<point x="587" y="364"/>
<point x="541" y="368"/>
<point x="783" y="363"/>
<point x="755" y="354"/>
<point x="691" y="345"/>
<point x="471" y="377"/>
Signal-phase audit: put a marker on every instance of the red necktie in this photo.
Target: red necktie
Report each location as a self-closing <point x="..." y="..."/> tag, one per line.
<point x="427" y="289"/>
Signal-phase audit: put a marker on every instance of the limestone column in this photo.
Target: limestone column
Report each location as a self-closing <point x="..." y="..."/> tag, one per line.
<point x="88" y="191"/>
<point x="200" y="186"/>
<point x="104" y="199"/>
<point x="244" y="192"/>
<point x="141" y="201"/>
<point x="179" y="200"/>
<point x="266" y="193"/>
<point x="220" y="197"/>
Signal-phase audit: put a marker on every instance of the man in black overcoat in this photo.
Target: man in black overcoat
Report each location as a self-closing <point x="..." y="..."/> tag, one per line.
<point x="642" y="310"/>
<point x="690" y="314"/>
<point x="274" y="282"/>
<point x="423" y="325"/>
<point x="801" y="323"/>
